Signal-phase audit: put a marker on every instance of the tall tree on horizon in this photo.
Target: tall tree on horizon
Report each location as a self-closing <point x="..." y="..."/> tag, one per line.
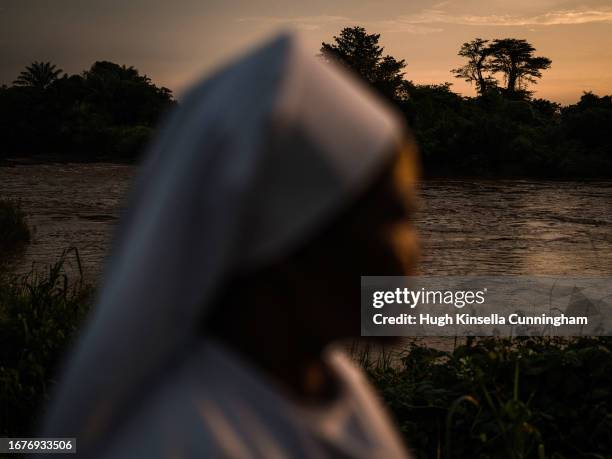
<point x="476" y="52"/>
<point x="38" y="75"/>
<point x="360" y="51"/>
<point x="515" y="60"/>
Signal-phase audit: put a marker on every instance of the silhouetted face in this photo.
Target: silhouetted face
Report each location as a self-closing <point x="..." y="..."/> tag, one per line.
<point x="374" y="237"/>
<point x="313" y="296"/>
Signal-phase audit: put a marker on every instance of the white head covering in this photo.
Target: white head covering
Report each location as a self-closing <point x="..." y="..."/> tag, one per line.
<point x="253" y="161"/>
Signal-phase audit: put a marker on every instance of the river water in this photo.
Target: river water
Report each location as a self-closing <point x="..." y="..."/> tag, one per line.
<point x="466" y="226"/>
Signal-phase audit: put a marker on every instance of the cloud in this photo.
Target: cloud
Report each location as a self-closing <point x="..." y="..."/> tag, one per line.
<point x="560" y="17"/>
<point x="317" y="21"/>
<point x="400" y="25"/>
<point x="300" y="22"/>
<point x="429" y="21"/>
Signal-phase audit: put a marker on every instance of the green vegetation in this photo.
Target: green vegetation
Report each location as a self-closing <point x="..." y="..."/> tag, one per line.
<point x="14" y="230"/>
<point x="39" y="316"/>
<point x="107" y="112"/>
<point x="502" y="398"/>
<point x="504" y="131"/>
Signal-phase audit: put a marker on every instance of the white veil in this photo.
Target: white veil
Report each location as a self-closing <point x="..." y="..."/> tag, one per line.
<point x="254" y="160"/>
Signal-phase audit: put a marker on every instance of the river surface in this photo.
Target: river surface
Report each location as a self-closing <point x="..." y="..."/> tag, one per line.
<point x="466" y="226"/>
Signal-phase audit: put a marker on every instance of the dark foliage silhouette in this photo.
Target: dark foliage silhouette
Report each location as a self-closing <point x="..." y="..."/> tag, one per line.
<point x="503" y="132"/>
<point x="515" y="60"/>
<point x="526" y="397"/>
<point x="39" y="75"/>
<point x="109" y="111"/>
<point x="360" y="51"/>
<point x="474" y="71"/>
<point x="511" y="57"/>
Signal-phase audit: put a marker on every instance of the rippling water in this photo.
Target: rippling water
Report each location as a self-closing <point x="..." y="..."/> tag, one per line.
<point x="517" y="227"/>
<point x="466" y="226"/>
<point x="69" y="205"/>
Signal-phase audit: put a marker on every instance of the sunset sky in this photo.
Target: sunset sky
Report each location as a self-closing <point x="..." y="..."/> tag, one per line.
<point x="175" y="42"/>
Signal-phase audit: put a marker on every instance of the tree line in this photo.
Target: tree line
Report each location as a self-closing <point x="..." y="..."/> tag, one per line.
<point x="111" y="110"/>
<point x="107" y="111"/>
<point x="502" y="132"/>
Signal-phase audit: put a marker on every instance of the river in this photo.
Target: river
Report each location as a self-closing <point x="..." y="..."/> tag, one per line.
<point x="466" y="227"/>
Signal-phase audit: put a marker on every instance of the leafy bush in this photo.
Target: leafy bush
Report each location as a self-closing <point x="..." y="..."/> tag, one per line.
<point x="14" y="230"/>
<point x="39" y="315"/>
<point x="521" y="398"/>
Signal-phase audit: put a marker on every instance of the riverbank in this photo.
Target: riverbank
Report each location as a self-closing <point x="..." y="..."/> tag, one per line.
<point x="511" y="398"/>
<point x="40" y="315"/>
<point x="490" y="398"/>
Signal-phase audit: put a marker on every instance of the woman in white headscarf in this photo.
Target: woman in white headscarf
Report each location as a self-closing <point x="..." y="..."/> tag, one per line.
<point x="271" y="190"/>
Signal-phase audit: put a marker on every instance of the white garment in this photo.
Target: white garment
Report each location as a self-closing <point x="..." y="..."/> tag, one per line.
<point x="253" y="162"/>
<point x="218" y="406"/>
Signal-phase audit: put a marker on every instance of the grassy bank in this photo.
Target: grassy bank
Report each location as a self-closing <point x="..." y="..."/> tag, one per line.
<point x="502" y="398"/>
<point x="492" y="398"/>
<point x="39" y="315"/>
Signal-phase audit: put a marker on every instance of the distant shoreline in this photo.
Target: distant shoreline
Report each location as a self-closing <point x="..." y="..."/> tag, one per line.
<point x="51" y="160"/>
<point x="43" y="160"/>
